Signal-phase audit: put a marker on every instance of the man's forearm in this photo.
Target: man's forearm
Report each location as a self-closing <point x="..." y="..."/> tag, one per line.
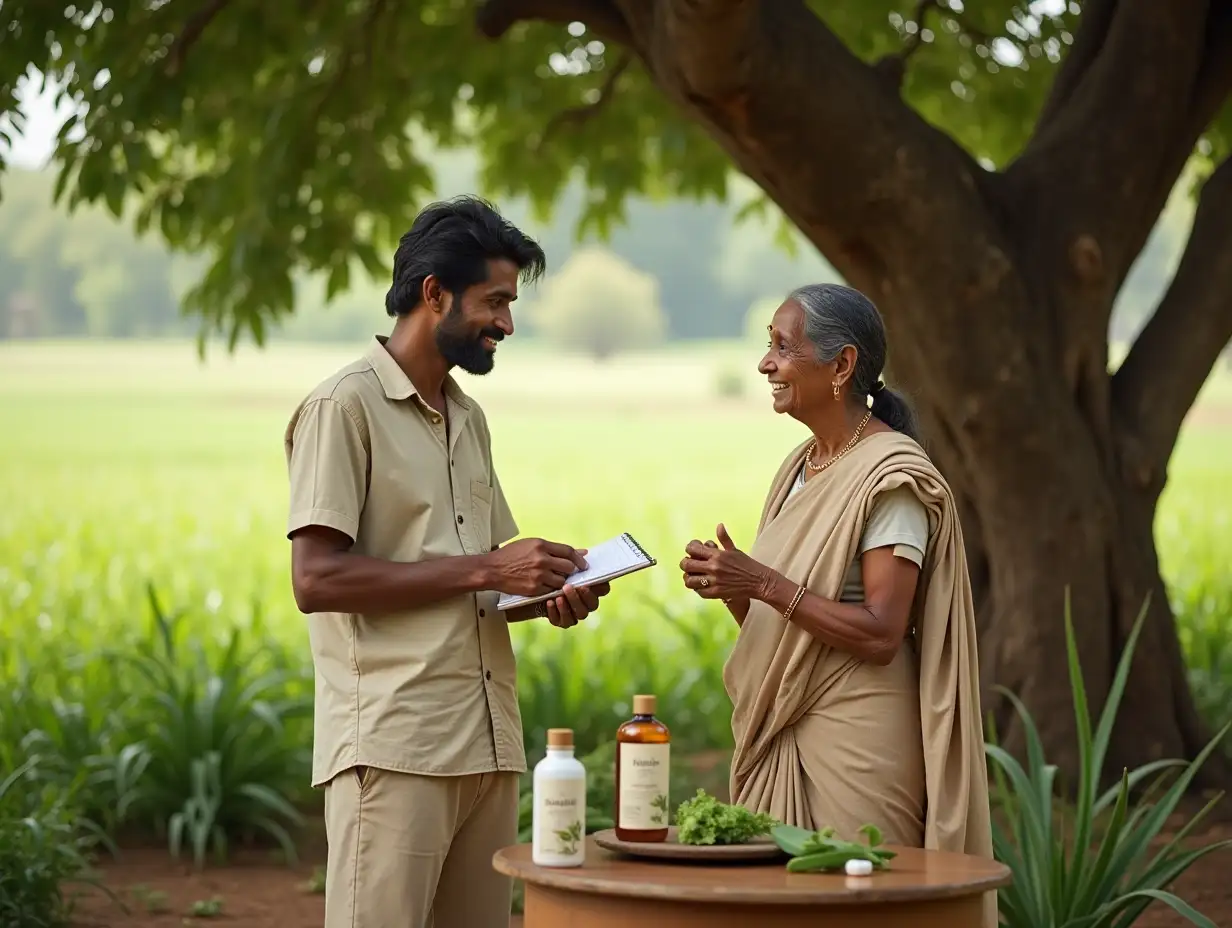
<point x="345" y="582"/>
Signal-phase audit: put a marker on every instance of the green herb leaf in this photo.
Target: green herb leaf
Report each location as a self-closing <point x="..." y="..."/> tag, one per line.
<point x="704" y="820"/>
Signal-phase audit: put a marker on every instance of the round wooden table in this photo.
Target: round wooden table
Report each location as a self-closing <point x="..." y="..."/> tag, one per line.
<point x="922" y="889"/>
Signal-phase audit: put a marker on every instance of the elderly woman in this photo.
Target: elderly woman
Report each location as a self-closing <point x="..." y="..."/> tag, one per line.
<point x="853" y="678"/>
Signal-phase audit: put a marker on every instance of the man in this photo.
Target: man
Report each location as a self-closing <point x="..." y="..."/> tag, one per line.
<point x="398" y="528"/>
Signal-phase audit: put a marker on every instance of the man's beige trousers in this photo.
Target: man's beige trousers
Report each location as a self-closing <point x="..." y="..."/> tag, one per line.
<point x="410" y="851"/>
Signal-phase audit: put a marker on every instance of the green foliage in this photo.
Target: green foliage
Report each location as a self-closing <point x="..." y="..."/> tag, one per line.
<point x="281" y="138"/>
<point x="298" y="153"/>
<point x="206" y="908"/>
<point x="1206" y="638"/>
<point x="43" y="848"/>
<point x="216" y="757"/>
<point x="1101" y="865"/>
<point x="203" y="742"/>
<point x="703" y="819"/>
<point x="598" y="304"/>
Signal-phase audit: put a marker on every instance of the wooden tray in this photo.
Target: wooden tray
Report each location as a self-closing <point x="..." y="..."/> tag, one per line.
<point x="762" y="848"/>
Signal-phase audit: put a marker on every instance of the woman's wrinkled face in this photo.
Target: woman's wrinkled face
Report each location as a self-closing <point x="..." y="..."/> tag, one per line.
<point x="798" y="381"/>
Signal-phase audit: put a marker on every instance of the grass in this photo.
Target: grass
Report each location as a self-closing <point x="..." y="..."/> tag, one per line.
<point x="135" y="466"/>
<point x="185" y="707"/>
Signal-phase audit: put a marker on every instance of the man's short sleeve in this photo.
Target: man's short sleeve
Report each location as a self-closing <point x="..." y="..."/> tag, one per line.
<point x="327" y="464"/>
<point x="503" y="525"/>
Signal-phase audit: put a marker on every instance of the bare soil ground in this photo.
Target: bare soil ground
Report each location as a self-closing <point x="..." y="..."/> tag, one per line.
<point x="255" y="892"/>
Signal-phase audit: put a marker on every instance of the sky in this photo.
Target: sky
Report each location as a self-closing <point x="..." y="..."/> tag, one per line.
<point x="43" y="121"/>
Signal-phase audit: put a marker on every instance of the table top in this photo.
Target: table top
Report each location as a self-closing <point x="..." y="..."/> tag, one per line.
<point x="914" y="875"/>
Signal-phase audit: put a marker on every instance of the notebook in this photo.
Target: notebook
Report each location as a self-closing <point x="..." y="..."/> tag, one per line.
<point x="614" y="558"/>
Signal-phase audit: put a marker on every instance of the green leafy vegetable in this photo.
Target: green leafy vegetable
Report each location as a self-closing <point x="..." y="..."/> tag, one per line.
<point x="813" y="851"/>
<point x="705" y="820"/>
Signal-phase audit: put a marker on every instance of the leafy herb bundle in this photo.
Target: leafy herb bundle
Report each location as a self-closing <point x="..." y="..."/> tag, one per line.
<point x="705" y="820"/>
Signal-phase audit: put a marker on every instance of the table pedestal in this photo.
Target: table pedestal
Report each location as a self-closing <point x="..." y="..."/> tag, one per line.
<point x="556" y="908"/>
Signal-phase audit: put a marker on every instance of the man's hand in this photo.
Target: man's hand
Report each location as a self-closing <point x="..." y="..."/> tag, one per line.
<point x="532" y="566"/>
<point x="573" y="605"/>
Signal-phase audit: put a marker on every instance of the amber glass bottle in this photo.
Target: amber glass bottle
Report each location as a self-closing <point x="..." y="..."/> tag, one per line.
<point x="643" y="771"/>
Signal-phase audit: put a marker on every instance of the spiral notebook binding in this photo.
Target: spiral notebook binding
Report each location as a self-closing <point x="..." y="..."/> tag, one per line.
<point x="632" y="542"/>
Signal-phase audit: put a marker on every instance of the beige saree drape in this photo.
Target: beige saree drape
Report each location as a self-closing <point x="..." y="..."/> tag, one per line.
<point x="818" y="733"/>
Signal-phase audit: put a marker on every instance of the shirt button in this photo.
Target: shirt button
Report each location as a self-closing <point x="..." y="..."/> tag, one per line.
<point x="482" y="613"/>
<point x="459" y="520"/>
<point x="487" y="675"/>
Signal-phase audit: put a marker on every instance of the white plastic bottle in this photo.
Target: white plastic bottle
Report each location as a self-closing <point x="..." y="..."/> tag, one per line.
<point x="558" y="817"/>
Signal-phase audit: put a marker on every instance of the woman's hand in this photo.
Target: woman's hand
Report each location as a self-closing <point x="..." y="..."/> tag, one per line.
<point x="726" y="572"/>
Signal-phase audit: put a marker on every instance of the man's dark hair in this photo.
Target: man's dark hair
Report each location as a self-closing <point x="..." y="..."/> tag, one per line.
<point x="454" y="240"/>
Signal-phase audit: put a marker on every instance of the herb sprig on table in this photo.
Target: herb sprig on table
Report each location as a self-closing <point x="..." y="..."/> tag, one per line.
<point x="813" y="851"/>
<point x="705" y="820"/>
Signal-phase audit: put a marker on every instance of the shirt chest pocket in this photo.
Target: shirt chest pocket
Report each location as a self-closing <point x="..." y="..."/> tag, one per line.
<point x="481" y="514"/>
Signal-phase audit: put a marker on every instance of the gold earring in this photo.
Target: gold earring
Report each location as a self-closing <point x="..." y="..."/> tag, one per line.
<point x="836" y="389"/>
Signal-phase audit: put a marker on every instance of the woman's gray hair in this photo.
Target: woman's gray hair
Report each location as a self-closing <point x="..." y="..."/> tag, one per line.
<point x="836" y="316"/>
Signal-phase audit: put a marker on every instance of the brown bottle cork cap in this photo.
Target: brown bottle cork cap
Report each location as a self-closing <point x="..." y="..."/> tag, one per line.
<point x="643" y="705"/>
<point x="560" y="737"/>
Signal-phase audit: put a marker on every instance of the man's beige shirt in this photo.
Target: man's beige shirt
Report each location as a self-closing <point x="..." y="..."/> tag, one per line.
<point x="431" y="690"/>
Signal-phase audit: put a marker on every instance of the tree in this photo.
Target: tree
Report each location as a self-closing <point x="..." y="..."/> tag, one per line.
<point x="597" y="303"/>
<point x="986" y="172"/>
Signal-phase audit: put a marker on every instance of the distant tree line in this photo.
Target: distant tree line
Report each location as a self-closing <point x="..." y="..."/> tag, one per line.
<point x="678" y="270"/>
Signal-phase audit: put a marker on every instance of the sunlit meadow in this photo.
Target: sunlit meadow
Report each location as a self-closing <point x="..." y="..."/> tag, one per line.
<point x="148" y="637"/>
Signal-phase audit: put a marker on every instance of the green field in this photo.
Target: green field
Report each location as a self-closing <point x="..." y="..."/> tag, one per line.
<point x="132" y="464"/>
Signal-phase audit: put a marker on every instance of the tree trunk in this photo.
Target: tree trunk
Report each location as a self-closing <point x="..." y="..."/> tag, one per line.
<point x="1051" y="510"/>
<point x="997" y="289"/>
<point x="1037" y="538"/>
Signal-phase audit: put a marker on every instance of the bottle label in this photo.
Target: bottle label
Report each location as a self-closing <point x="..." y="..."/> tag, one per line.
<point x="560" y="815"/>
<point x="644" y="775"/>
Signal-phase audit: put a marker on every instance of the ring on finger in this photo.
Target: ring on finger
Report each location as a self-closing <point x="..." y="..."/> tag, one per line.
<point x="705" y="581"/>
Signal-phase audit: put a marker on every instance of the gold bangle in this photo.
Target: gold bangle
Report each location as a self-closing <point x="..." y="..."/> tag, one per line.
<point x="794" y="602"/>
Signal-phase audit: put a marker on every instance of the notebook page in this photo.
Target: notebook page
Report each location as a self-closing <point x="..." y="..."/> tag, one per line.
<point x="612" y="556"/>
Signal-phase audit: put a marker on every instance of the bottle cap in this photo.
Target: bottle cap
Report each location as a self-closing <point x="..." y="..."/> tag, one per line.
<point x="560" y="737"/>
<point x="643" y="705"/>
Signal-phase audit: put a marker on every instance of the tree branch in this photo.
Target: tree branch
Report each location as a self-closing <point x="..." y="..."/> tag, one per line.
<point x="781" y="92"/>
<point x="894" y="66"/>
<point x="863" y="175"/>
<point x="1095" y="175"/>
<point x="1089" y="41"/>
<point x="714" y="42"/>
<point x="577" y="115"/>
<point x="1215" y="74"/>
<point x="1172" y="357"/>
<point x="196" y="25"/>
<point x="496" y="17"/>
<point x="1132" y="77"/>
<point x="1123" y="115"/>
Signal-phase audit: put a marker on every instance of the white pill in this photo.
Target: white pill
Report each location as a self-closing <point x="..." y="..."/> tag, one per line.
<point x="859" y="867"/>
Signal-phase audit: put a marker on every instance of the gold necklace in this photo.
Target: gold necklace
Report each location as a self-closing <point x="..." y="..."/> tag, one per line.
<point x="808" y="455"/>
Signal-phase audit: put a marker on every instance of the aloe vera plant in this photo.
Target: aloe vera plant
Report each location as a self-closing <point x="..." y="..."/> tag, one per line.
<point x="1082" y="880"/>
<point x="815" y="851"/>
